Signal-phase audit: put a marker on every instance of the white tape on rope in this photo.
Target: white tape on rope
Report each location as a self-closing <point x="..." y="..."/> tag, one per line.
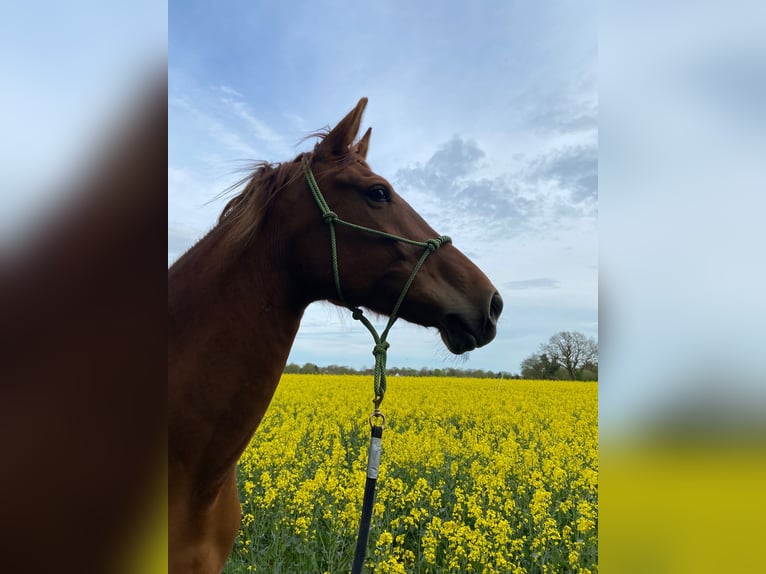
<point x="373" y="461"/>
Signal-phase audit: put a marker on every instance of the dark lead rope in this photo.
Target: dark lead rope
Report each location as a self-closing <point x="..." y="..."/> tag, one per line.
<point x="379" y="350"/>
<point x="373" y="463"/>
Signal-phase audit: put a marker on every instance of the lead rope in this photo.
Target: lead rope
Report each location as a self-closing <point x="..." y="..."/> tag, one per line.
<point x="379" y="351"/>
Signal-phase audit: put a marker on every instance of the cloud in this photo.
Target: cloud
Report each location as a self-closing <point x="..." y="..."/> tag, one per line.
<point x="539" y="283"/>
<point x="297" y="121"/>
<point x="260" y="130"/>
<point x="454" y="159"/>
<point x="572" y="168"/>
<point x="497" y="199"/>
<point x="568" y="107"/>
<point x="222" y="115"/>
<point x="214" y="127"/>
<point x="450" y="190"/>
<point x="229" y="91"/>
<point x="556" y="187"/>
<point x="565" y="117"/>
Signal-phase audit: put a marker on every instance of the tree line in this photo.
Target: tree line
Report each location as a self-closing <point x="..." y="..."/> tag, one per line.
<point x="568" y="355"/>
<point x="313" y="369"/>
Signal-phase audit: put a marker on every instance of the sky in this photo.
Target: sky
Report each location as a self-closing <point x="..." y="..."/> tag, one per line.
<point x="484" y="119"/>
<point x="488" y="110"/>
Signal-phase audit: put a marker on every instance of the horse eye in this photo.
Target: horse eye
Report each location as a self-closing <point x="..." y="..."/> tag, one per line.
<point x="379" y="193"/>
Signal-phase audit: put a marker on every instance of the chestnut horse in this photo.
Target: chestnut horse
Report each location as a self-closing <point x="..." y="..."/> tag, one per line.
<point x="235" y="302"/>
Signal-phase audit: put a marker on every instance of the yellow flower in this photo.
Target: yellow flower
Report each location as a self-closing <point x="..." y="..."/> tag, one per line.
<point x="476" y="476"/>
<point x="584" y="524"/>
<point x="302" y="524"/>
<point x="385" y="538"/>
<point x="574" y="558"/>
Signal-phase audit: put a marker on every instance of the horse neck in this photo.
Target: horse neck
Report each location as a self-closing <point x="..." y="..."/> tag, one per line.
<point x="231" y="327"/>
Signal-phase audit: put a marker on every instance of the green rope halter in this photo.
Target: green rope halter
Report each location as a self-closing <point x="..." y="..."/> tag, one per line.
<point x="381" y="345"/>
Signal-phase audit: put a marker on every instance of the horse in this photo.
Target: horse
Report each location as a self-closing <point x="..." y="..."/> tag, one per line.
<point x="235" y="302"/>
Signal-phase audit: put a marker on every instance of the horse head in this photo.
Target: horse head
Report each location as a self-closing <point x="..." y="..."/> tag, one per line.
<point x="449" y="293"/>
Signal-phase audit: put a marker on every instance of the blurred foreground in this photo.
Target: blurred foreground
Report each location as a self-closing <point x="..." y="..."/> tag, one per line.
<point x="82" y="289"/>
<point x="681" y="507"/>
<point x="82" y="404"/>
<point x="682" y="396"/>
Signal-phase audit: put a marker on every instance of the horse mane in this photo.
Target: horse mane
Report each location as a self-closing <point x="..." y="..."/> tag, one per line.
<point x="245" y="211"/>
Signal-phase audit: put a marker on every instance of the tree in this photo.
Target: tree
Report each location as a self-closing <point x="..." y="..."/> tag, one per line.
<point x="589" y="372"/>
<point x="539" y="366"/>
<point x="292" y="368"/>
<point x="573" y="351"/>
<point x="309" y="369"/>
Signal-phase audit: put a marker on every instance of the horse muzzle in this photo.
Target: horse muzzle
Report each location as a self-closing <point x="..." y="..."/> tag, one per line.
<point x="463" y="332"/>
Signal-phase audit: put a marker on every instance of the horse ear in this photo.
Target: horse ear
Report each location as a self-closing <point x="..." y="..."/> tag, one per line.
<point x="339" y="139"/>
<point x="364" y="144"/>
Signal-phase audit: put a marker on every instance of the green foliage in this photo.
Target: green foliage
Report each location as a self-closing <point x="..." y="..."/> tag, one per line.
<point x="540" y="367"/>
<point x="312" y="369"/>
<point x="576" y="354"/>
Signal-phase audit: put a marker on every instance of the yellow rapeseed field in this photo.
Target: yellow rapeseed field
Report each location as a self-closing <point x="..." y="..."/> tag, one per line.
<point x="477" y="475"/>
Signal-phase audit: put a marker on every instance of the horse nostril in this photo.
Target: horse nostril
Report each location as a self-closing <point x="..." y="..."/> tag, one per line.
<point x="495" y="307"/>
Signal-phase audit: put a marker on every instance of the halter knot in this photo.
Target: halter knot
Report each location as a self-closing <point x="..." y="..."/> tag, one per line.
<point x="380" y="348"/>
<point x="434" y="244"/>
<point x="357" y="314"/>
<point x="330" y="216"/>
